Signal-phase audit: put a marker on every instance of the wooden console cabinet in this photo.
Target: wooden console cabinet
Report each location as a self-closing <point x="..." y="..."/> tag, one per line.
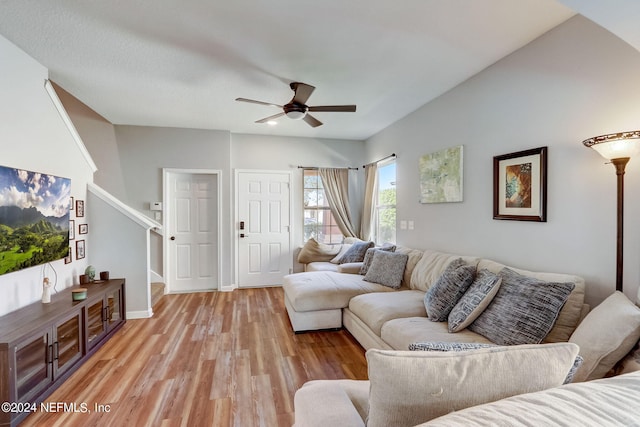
<point x="43" y="344"/>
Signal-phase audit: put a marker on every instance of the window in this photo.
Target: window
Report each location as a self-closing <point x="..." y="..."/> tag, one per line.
<point x="385" y="204"/>
<point x="318" y="219"/>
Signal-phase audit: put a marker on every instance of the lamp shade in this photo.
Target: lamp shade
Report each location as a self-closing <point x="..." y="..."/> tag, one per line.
<point x="616" y="145"/>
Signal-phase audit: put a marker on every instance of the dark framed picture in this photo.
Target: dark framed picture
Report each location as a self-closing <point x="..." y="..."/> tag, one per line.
<point x="80" y="208"/>
<point x="520" y="185"/>
<point x="68" y="259"/>
<point x="83" y="228"/>
<point x="72" y="229"/>
<point x="80" y="249"/>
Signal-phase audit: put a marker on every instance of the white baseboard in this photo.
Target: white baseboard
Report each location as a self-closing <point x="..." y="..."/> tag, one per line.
<point x="142" y="314"/>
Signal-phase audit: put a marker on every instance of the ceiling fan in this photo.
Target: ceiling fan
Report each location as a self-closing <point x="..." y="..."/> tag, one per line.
<point x="296" y="109"/>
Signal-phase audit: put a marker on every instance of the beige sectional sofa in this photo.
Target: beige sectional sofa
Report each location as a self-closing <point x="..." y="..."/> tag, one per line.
<point x="326" y="297"/>
<point x="514" y="385"/>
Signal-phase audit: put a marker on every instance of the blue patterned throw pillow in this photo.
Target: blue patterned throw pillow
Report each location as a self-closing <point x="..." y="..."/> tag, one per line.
<point x="523" y="311"/>
<point x="356" y="252"/>
<point x="368" y="257"/>
<point x="477" y="298"/>
<point x="448" y="289"/>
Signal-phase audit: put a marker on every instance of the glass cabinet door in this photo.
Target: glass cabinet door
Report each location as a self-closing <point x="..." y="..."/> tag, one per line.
<point x="33" y="371"/>
<point x="114" y="303"/>
<point x="95" y="322"/>
<point x="68" y="344"/>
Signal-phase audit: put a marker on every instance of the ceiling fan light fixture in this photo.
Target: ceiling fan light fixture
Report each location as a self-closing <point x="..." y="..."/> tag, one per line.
<point x="295" y="115"/>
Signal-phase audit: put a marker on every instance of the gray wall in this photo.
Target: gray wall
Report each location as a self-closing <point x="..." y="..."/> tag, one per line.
<point x="575" y="82"/>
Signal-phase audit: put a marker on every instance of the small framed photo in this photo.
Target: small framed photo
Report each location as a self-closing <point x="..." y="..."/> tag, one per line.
<point x="72" y="229"/>
<point x="83" y="228"/>
<point x="520" y="185"/>
<point x="68" y="259"/>
<point x="71" y="203"/>
<point x="79" y="208"/>
<point x="80" y="249"/>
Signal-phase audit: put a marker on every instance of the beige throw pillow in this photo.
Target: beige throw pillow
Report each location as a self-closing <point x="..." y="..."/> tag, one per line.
<point x="412" y="387"/>
<point x="312" y="251"/>
<point x="606" y="335"/>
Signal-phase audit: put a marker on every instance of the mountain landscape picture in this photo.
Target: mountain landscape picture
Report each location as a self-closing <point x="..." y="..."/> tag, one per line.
<point x="34" y="218"/>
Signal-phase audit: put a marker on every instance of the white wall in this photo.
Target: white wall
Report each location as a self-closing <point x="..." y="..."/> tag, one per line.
<point x="575" y="82"/>
<point x="145" y="151"/>
<point x="33" y="137"/>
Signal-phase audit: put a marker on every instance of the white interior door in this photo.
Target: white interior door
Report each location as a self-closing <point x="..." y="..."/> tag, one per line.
<point x="192" y="231"/>
<point x="263" y="227"/>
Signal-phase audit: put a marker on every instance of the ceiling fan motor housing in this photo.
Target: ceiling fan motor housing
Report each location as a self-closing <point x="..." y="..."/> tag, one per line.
<point x="295" y="111"/>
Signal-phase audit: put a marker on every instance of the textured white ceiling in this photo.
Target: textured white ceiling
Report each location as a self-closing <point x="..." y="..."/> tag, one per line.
<point x="181" y="63"/>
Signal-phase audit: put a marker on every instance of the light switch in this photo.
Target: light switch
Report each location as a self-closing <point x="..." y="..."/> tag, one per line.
<point x="410" y="225"/>
<point x="403" y="225"/>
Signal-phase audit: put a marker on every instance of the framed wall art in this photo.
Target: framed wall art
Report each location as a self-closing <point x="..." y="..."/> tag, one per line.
<point x="441" y="176"/>
<point x="79" y="208"/>
<point x="83" y="228"/>
<point x="520" y="185"/>
<point x="80" y="249"/>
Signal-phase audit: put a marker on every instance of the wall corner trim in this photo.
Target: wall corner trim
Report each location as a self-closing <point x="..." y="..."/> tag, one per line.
<point x="129" y="212"/>
<point x="69" y="124"/>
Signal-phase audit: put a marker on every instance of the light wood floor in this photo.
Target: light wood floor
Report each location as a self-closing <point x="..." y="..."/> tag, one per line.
<point x="214" y="359"/>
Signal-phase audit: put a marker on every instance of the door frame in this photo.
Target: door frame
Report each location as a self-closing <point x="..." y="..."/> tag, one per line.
<point x="166" y="217"/>
<point x="236" y="220"/>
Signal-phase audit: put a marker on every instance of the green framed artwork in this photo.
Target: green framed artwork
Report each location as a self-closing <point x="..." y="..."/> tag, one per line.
<point x="441" y="176"/>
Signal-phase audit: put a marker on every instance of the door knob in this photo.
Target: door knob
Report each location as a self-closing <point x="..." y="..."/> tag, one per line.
<point x="173" y="237"/>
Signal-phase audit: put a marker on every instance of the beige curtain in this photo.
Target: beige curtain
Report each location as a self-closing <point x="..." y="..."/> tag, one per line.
<point x="370" y="178"/>
<point x="336" y="190"/>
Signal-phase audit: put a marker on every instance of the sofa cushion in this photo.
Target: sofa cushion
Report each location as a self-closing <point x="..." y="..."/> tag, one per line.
<point x="387" y="268"/>
<point x="606" y="335"/>
<point x="368" y="257"/>
<point x="431" y="266"/>
<point x="474" y="301"/>
<point x="321" y="266"/>
<point x="324" y="290"/>
<point x="400" y="333"/>
<point x="414" y="255"/>
<point x="338" y="395"/>
<point x="356" y="252"/>
<point x="571" y="312"/>
<point x="411" y="387"/>
<point x="523" y="311"/>
<point x="608" y="402"/>
<point x="376" y="309"/>
<point x="314" y="251"/>
<point x="448" y="289"/>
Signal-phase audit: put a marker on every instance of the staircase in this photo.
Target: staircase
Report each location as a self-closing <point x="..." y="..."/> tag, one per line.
<point x="157" y="292"/>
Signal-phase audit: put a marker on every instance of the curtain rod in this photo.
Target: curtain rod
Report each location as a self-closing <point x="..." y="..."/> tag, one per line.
<point x="317" y="167"/>
<point x="382" y="159"/>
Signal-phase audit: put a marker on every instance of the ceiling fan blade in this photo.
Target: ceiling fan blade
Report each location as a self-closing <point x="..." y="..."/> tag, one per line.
<point x="312" y="121"/>
<point x="336" y="108"/>
<point x="266" y="119"/>
<point x="303" y="92"/>
<point x="253" y="101"/>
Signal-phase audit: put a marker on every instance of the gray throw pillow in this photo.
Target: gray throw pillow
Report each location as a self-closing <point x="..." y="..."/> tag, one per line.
<point x="387" y="268"/>
<point x="356" y="252"/>
<point x="477" y="298"/>
<point x="447" y="346"/>
<point x="448" y="289"/>
<point x="523" y="311"/>
<point x="368" y="257"/>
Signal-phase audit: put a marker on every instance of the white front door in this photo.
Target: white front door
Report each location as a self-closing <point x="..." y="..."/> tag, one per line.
<point x="263" y="227"/>
<point x="191" y="228"/>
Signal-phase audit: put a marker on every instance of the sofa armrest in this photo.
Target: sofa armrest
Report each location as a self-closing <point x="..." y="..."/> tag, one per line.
<point x="325" y="403"/>
<point x="350" y="267"/>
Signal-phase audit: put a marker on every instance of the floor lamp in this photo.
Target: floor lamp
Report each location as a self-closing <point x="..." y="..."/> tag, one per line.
<point x="618" y="148"/>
